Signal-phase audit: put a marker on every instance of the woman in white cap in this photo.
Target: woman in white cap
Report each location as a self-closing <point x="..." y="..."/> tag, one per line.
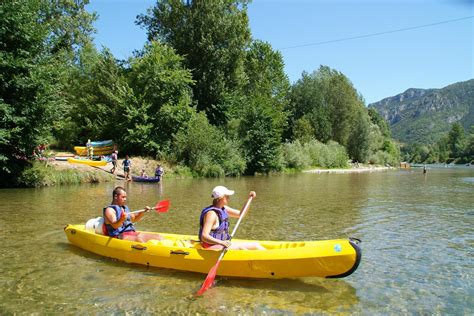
<point x="214" y="223"/>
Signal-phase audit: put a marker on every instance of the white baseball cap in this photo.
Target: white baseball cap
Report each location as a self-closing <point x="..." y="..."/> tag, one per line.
<point x="220" y="191"/>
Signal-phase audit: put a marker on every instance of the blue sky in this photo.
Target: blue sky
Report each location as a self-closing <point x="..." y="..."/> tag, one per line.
<point x="423" y="43"/>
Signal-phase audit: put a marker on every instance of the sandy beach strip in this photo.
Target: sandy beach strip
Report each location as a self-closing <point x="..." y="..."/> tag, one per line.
<point x="350" y="170"/>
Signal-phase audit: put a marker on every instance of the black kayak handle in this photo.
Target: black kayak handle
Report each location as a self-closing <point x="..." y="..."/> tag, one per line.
<point x="179" y="252"/>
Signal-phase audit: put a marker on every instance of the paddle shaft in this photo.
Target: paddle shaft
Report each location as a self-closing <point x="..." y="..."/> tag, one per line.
<point x="139" y="211"/>
<point x="161" y="207"/>
<point x="244" y="210"/>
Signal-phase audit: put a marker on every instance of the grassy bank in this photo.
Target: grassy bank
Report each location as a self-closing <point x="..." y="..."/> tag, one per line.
<point x="43" y="174"/>
<point x="51" y="173"/>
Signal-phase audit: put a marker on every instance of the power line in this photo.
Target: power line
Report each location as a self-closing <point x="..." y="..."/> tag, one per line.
<point x="379" y="33"/>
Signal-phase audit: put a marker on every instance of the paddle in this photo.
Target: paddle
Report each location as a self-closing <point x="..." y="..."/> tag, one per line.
<point x="160" y="207"/>
<point x="212" y="273"/>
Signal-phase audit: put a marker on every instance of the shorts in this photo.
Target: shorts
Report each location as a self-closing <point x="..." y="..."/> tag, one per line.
<point x="205" y="245"/>
<point x="129" y="233"/>
<point x="114" y="163"/>
<point x="126" y="169"/>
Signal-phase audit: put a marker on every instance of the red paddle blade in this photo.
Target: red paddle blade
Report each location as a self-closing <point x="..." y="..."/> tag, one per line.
<point x="209" y="279"/>
<point x="162" y="206"/>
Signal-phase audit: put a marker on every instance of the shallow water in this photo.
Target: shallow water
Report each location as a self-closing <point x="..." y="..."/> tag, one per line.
<point x="417" y="233"/>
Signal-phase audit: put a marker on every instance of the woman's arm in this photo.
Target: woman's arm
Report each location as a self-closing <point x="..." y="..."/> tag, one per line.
<point x="236" y="213"/>
<point x="232" y="212"/>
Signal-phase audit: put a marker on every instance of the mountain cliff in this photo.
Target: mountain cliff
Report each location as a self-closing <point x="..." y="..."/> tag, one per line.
<point x="424" y="115"/>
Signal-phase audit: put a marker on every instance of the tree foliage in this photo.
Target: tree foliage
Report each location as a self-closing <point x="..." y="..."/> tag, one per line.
<point x="212" y="36"/>
<point x="260" y="138"/>
<point x="201" y="94"/>
<point x="37" y="43"/>
<point x="325" y="106"/>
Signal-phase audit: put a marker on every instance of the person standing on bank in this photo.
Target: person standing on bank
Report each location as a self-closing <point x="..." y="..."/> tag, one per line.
<point x="114" y="157"/>
<point x="89" y="149"/>
<point x="214" y="223"/>
<point x="159" y="171"/>
<point x="127" y="166"/>
<point x="119" y="222"/>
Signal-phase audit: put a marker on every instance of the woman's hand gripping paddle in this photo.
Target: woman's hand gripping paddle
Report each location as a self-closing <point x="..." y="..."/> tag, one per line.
<point x="212" y="273"/>
<point x="160" y="207"/>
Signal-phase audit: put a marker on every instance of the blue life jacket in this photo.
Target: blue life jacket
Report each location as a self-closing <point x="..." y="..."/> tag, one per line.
<point x="221" y="232"/>
<point x="158" y="172"/>
<point x="126" y="226"/>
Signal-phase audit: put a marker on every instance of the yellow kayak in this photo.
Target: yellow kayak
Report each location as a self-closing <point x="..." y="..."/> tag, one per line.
<point x="282" y="259"/>
<point x="98" y="151"/>
<point x="93" y="163"/>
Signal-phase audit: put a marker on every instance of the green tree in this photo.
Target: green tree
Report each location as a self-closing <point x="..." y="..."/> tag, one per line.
<point x="344" y="103"/>
<point x="99" y="95"/>
<point x="37" y="42"/>
<point x="358" y="144"/>
<point x="266" y="76"/>
<point x="307" y="102"/>
<point x="456" y="140"/>
<point x="212" y="35"/>
<point x="159" y="81"/>
<point x="378" y="120"/>
<point x="469" y="149"/>
<point x="303" y="130"/>
<point x="204" y="148"/>
<point x="260" y="139"/>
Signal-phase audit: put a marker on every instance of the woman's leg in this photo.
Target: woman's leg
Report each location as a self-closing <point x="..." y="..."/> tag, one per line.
<point x="149" y="236"/>
<point x="251" y="245"/>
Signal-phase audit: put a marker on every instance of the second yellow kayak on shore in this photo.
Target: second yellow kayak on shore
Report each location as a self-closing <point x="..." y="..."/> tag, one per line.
<point x="281" y="259"/>
<point x="93" y="163"/>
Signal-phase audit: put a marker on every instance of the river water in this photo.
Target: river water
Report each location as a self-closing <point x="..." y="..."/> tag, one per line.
<point x="416" y="230"/>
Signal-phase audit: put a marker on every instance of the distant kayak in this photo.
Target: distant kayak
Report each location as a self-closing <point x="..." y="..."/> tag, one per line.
<point x="145" y="179"/>
<point x="93" y="163"/>
<point x="102" y="143"/>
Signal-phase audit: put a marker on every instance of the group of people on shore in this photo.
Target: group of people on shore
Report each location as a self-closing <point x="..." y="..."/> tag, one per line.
<point x="127" y="167"/>
<point x="213" y="221"/>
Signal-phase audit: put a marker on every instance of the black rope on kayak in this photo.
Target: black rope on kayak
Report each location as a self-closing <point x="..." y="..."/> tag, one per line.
<point x="356" y="240"/>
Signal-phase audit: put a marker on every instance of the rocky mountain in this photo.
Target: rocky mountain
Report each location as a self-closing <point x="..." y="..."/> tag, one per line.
<point x="425" y="115"/>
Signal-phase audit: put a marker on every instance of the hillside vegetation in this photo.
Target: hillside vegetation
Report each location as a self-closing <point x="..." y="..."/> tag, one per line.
<point x="434" y="125"/>
<point x="424" y="116"/>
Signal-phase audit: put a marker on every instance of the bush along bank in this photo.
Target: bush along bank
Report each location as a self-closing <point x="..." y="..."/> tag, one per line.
<point x="41" y="174"/>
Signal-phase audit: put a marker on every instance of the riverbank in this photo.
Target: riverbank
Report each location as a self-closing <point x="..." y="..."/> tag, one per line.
<point x="52" y="172"/>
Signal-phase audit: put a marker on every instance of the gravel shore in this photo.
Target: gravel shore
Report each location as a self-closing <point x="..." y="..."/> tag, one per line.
<point x="350" y="170"/>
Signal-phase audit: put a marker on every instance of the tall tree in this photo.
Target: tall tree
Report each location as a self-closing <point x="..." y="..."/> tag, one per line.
<point x="358" y="144"/>
<point x="98" y="93"/>
<point x="158" y="79"/>
<point x="212" y="35"/>
<point x="37" y="41"/>
<point x="456" y="140"/>
<point x="377" y="119"/>
<point x="343" y="101"/>
<point x="260" y="139"/>
<point x="266" y="78"/>
<point x="307" y="102"/>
